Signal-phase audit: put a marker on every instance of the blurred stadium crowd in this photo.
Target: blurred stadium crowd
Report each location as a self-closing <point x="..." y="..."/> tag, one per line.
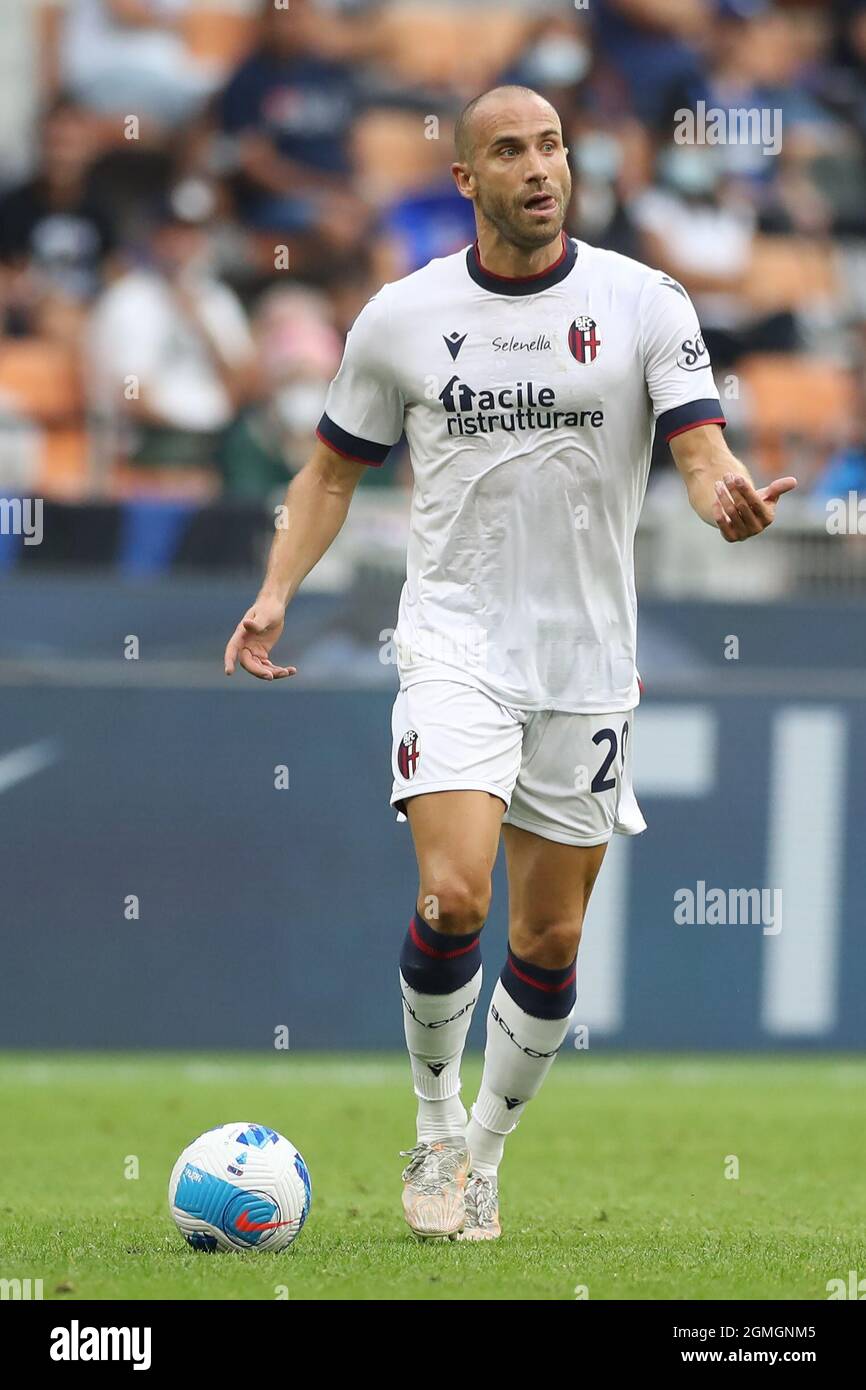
<point x="213" y="188"/>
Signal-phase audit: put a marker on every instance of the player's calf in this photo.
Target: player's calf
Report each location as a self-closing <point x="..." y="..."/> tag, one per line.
<point x="440" y="979"/>
<point x="526" y="1024"/>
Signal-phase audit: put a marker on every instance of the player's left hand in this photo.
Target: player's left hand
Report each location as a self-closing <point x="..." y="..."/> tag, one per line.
<point x="741" y="510"/>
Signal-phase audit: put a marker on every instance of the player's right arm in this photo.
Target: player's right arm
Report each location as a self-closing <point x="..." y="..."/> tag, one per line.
<point x="316" y="505"/>
<point x="363" y="418"/>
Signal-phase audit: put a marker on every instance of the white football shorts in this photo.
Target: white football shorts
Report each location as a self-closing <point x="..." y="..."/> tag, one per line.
<point x="566" y="777"/>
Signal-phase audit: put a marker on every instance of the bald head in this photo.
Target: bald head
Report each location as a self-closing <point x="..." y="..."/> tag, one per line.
<point x="474" y="116"/>
<point x="513" y="165"/>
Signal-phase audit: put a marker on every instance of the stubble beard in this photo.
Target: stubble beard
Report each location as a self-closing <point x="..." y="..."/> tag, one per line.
<point x="504" y="217"/>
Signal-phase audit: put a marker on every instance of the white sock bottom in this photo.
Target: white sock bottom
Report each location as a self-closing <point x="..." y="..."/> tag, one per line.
<point x="486" y="1148"/>
<point x="440" y="1119"/>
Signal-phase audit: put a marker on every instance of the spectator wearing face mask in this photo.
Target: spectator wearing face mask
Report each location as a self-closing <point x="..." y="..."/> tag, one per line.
<point x="608" y="148"/>
<point x="555" y="61"/>
<point x="763" y="77"/>
<point x="170" y="354"/>
<point x="298" y="351"/>
<point x="693" y="227"/>
<point x="609" y="163"/>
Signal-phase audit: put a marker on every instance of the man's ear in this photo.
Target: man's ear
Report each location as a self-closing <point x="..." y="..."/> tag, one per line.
<point x="463" y="177"/>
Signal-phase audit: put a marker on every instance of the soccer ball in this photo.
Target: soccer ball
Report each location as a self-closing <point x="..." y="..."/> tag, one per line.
<point x="240" y="1187"/>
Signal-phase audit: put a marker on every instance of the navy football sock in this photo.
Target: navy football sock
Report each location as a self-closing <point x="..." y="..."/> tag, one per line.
<point x="440" y="978"/>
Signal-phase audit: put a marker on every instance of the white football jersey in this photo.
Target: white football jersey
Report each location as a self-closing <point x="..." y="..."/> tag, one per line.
<point x="529" y="407"/>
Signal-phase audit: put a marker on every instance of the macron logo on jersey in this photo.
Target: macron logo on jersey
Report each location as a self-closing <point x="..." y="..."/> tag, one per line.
<point x="523" y="406"/>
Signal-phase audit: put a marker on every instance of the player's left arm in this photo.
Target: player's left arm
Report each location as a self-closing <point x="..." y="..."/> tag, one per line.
<point x="719" y="486"/>
<point x="689" y="414"/>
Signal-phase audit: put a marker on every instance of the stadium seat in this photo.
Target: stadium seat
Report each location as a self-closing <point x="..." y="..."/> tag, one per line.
<point x="64" y="472"/>
<point x="42" y="379"/>
<point x="788" y="272"/>
<point x="218" y="35"/>
<point x="433" y="46"/>
<point x="791" y="397"/>
<point x="393" y="155"/>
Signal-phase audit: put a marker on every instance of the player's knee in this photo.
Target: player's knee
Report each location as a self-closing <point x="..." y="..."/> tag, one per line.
<point x="552" y="945"/>
<point x="456" y="906"/>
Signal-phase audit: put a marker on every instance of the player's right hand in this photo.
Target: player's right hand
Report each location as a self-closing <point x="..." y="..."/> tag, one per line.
<point x="252" y="639"/>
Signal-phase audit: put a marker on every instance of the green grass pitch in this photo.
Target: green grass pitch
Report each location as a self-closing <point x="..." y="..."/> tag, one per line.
<point x="614" y="1182"/>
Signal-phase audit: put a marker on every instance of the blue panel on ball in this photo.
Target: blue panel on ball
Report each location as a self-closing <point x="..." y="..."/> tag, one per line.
<point x="304" y="1175"/>
<point x="258" y="1136"/>
<point x="201" y="1195"/>
<point x="244" y="1216"/>
<point x="250" y="1217"/>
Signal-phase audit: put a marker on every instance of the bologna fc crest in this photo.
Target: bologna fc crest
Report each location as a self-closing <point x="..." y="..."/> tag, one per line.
<point x="583" y="339"/>
<point x="408" y="754"/>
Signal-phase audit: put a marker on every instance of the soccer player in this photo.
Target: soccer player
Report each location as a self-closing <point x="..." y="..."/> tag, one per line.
<point x="529" y="372"/>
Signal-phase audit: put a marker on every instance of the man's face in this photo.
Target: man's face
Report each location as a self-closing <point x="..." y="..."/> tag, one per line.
<point x="518" y="173"/>
<point x="178" y="245"/>
<point x="66" y="141"/>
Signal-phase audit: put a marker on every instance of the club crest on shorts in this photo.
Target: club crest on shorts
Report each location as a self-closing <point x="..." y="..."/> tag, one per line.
<point x="583" y="339"/>
<point x="408" y="754"/>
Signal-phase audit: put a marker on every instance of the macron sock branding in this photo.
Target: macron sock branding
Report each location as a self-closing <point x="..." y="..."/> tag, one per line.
<point x="433" y="963"/>
<point x="436" y="1026"/>
<point x="520" y="1051"/>
<point x="540" y="992"/>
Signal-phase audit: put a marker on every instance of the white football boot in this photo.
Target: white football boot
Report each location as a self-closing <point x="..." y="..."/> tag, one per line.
<point x="434" y="1179"/>
<point x="482" y="1209"/>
